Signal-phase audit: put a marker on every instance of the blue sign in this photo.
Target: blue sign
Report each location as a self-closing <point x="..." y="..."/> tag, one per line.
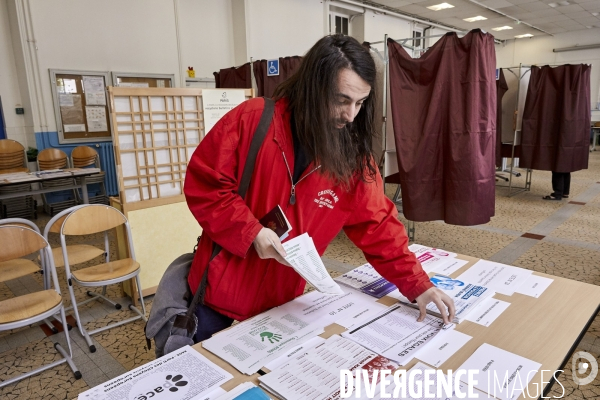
<point x="272" y="67"/>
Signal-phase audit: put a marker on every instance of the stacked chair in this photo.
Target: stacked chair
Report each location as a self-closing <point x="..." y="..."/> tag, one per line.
<point x="19" y="241"/>
<point x="49" y="159"/>
<point x="83" y="157"/>
<point x="13" y="159"/>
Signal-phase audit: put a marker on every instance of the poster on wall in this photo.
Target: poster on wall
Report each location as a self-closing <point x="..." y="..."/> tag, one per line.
<point x="96" y="119"/>
<point x="93" y="86"/>
<point x="71" y="112"/>
<point x="217" y="102"/>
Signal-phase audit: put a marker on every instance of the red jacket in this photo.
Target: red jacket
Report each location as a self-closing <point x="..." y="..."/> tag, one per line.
<point x="240" y="284"/>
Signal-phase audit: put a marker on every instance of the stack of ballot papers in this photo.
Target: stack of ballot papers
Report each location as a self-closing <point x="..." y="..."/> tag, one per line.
<point x="184" y="373"/>
<point x="437" y="260"/>
<point x="315" y="373"/>
<point x="253" y="343"/>
<point x="466" y="296"/>
<point x="396" y="334"/>
<point x="244" y="391"/>
<point x="367" y="280"/>
<point x="304" y="258"/>
<point x="502" y="374"/>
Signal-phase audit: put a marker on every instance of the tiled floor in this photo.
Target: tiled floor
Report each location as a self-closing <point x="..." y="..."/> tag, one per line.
<point x="566" y="243"/>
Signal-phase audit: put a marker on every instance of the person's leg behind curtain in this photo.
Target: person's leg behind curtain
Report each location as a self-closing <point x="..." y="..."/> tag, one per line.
<point x="566" y="184"/>
<point x="557" y="185"/>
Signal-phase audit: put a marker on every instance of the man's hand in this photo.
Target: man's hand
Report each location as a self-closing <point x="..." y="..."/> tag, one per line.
<point x="441" y="300"/>
<point x="264" y="242"/>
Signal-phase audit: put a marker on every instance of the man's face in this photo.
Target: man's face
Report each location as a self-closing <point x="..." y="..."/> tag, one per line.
<point x="352" y="91"/>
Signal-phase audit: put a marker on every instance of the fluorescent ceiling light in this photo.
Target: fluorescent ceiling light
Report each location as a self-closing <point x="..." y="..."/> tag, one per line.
<point x="473" y="19"/>
<point x="524" y="35"/>
<point x="502" y="28"/>
<point x="439" y="7"/>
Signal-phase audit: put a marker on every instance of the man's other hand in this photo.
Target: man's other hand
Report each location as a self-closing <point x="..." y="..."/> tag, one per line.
<point x="441" y="300"/>
<point x="265" y="244"/>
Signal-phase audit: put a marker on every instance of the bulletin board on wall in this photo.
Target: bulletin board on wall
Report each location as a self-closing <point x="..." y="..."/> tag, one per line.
<point x="138" y="80"/>
<point x="81" y="106"/>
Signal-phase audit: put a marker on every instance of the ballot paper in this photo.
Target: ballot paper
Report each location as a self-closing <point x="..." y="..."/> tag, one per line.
<point x="534" y="286"/>
<point x="304" y="258"/>
<point x="396" y="334"/>
<point x="432" y="260"/>
<point x="251" y="344"/>
<point x="500" y="278"/>
<point x="466" y="296"/>
<point x="487" y="311"/>
<point x="294" y="352"/>
<point x="366" y="279"/>
<point x="315" y="373"/>
<point x="418" y="389"/>
<point x="182" y="374"/>
<point x="244" y="391"/>
<point x="451" y="267"/>
<point x="442" y="347"/>
<point x="501" y="374"/>
<point x="356" y="318"/>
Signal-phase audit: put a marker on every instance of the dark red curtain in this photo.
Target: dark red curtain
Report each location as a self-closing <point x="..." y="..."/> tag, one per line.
<point x="266" y="84"/>
<point x="444" y="118"/>
<point x="234" y="78"/>
<point x="501" y="88"/>
<point x="556" y="119"/>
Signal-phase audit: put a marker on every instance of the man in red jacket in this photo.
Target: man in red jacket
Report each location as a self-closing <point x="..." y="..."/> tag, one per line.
<point x="317" y="148"/>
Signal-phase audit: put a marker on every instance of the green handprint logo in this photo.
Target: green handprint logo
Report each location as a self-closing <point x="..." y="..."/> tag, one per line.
<point x="272" y="337"/>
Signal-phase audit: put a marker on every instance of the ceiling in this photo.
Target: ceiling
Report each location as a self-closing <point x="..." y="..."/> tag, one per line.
<point x="551" y="16"/>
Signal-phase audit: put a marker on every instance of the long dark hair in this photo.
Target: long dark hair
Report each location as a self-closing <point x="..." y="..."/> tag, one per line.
<point x="342" y="153"/>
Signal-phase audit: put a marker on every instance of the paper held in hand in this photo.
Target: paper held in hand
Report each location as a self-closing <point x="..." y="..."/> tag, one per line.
<point x="304" y="258"/>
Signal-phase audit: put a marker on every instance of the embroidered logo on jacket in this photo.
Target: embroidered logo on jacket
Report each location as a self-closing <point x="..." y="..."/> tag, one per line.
<point x="326" y="198"/>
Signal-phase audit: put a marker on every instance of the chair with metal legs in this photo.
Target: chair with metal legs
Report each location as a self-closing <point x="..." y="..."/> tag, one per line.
<point x="17" y="268"/>
<point x="90" y="219"/>
<point x="24" y="310"/>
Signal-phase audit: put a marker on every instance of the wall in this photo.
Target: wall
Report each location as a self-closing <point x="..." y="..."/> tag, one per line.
<point x="280" y="28"/>
<point x="377" y="25"/>
<point x="9" y="83"/>
<point x="538" y="50"/>
<point x="205" y="35"/>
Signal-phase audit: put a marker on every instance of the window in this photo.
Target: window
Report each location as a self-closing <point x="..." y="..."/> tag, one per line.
<point x="339" y="23"/>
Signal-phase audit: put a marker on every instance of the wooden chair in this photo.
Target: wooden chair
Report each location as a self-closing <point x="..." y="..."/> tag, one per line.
<point x="85" y="156"/>
<point x="14" y="159"/>
<point x="78" y="253"/>
<point x="24" y="310"/>
<point x="48" y="159"/>
<point x="20" y="267"/>
<point x="89" y="219"/>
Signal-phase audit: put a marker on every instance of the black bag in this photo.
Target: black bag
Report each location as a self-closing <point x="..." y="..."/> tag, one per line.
<point x="172" y="322"/>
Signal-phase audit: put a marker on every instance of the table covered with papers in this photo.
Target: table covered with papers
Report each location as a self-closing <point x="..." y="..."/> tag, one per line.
<point x="304" y="348"/>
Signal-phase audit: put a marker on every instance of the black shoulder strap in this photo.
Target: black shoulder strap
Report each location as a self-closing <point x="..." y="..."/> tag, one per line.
<point x="257" y="140"/>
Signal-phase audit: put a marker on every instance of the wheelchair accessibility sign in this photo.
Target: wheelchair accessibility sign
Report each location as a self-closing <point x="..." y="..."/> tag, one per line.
<point x="272" y="67"/>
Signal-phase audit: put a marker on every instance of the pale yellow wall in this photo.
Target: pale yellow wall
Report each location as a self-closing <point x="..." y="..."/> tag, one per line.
<point x="160" y="235"/>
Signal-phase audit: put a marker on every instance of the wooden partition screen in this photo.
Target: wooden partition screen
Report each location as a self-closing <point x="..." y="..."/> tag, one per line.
<point x="156" y="131"/>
